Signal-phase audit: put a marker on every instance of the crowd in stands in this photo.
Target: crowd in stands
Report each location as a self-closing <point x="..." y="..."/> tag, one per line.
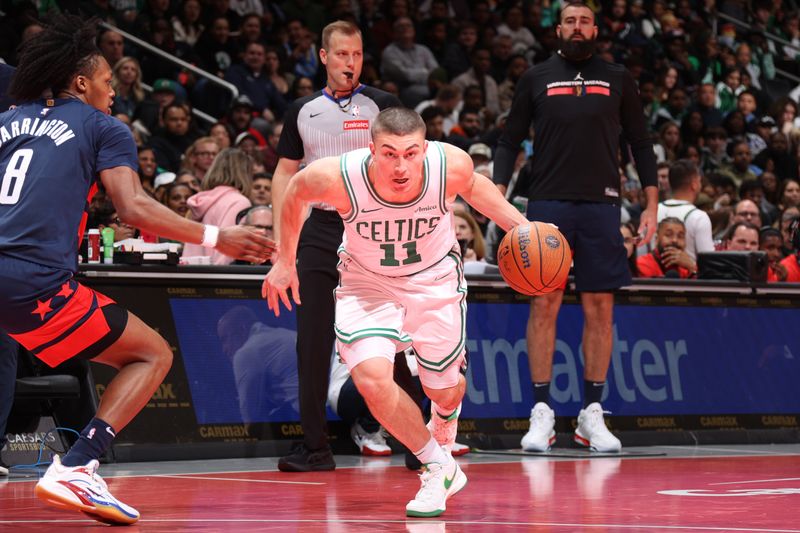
<point x="712" y="92"/>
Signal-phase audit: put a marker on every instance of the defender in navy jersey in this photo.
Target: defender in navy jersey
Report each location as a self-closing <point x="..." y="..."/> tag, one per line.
<point x="53" y="151"/>
<point x="327" y="123"/>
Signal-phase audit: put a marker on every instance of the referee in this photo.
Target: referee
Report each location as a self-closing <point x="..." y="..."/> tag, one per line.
<point x="578" y="105"/>
<point x="327" y="123"/>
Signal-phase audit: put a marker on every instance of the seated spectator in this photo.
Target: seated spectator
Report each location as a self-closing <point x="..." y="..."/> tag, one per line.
<point x="224" y="193"/>
<point x="739" y="168"/>
<point x="261" y="191"/>
<point x="127" y="85"/>
<point x="200" y="155"/>
<point x="171" y="141"/>
<point x="469" y="236"/>
<point x="662" y="175"/>
<point x="669" y="142"/>
<point x="669" y="259"/>
<point x="514" y="26"/>
<point x="250" y="28"/>
<point x="468" y="130"/>
<point x="147" y="168"/>
<point x="188" y="178"/>
<point x="258" y="216"/>
<point x="176" y="196"/>
<point x="742" y="237"/>
<point x="746" y="104"/>
<point x="517" y="66"/>
<point x="478" y="74"/>
<point x="706" y="105"/>
<point x="253" y="81"/>
<point x="407" y="63"/>
<point x="629" y="240"/>
<point x="777" y="157"/>
<point x="221" y="134"/>
<point x="302" y="86"/>
<point x="457" y="54"/>
<point x="789" y="194"/>
<point x="754" y="191"/>
<point x="747" y="211"/>
<point x="786" y="219"/>
<point x="685" y="185"/>
<point x="301" y="50"/>
<point x="216" y="48"/>
<point x="433" y="116"/>
<point x="105" y="216"/>
<point x="147" y="118"/>
<point x="770" y="240"/>
<point x="240" y="115"/>
<point x="186" y="26"/>
<point x="274" y="69"/>
<point x="448" y="99"/>
<point x="792" y="262"/>
<point x="675" y="109"/>
<point x="692" y="129"/>
<point x="111" y="45"/>
<point x="714" y="153"/>
<point x="481" y="156"/>
<point x="160" y="184"/>
<point x="728" y="90"/>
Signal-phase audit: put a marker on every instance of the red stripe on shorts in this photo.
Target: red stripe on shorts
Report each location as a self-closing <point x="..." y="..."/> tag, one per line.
<point x="91" y="331"/>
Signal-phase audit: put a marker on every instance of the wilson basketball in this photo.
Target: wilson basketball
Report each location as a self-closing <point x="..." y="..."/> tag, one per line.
<point x="534" y="258"/>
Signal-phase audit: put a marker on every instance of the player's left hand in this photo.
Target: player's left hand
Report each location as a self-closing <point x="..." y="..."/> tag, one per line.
<point x="647" y="225"/>
<point x="280" y="278"/>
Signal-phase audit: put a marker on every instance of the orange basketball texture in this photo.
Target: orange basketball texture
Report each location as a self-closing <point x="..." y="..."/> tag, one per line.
<point x="534" y="258"/>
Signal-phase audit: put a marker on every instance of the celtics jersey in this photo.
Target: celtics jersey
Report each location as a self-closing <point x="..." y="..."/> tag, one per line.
<point x="397" y="239"/>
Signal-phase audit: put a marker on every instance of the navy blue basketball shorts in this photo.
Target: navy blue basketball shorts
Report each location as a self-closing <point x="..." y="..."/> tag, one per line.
<point x="592" y="230"/>
<point x="53" y="316"/>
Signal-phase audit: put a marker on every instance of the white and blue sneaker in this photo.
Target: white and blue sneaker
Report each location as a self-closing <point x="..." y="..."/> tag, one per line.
<point x="80" y="488"/>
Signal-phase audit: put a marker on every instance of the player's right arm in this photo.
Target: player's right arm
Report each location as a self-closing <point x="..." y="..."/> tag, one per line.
<point x="135" y="207"/>
<point x="321" y="181"/>
<point x="280" y="181"/>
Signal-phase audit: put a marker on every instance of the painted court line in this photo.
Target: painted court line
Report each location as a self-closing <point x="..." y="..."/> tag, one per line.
<point x="209" y="478"/>
<point x="757" y="481"/>
<point x="640" y="527"/>
<point x="737" y="453"/>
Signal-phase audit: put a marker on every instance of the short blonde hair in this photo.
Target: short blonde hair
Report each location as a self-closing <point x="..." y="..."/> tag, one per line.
<point x="231" y="167"/>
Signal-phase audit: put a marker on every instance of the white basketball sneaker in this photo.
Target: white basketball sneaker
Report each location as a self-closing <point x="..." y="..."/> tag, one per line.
<point x="541" y="434"/>
<point x="439" y="482"/>
<point x="80" y="488"/>
<point x="592" y="430"/>
<point x="371" y="444"/>
<point x="444" y="430"/>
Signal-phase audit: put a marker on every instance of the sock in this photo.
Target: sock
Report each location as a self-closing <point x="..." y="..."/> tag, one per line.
<point x="592" y="391"/>
<point x="541" y="392"/>
<point x="441" y="413"/>
<point x="432" y="453"/>
<point x="93" y="443"/>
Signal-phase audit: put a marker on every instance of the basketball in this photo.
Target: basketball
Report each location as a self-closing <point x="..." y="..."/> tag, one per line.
<point x="534" y="258"/>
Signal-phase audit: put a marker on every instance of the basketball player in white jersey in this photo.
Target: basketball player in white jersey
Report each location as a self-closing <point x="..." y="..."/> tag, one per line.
<point x="401" y="279"/>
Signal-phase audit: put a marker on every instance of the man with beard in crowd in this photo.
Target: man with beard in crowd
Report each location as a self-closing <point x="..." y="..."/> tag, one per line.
<point x="578" y="104"/>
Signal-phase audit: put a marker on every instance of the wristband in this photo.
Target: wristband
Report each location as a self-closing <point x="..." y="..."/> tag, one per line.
<point x="210" y="236"/>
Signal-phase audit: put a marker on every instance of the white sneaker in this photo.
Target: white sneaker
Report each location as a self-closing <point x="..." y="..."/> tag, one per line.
<point x="540" y="435"/>
<point x="439" y="482"/>
<point x="592" y="430"/>
<point x="3" y="469"/>
<point x="459" y="449"/>
<point x="444" y="430"/>
<point x="372" y="444"/>
<point x="80" y="488"/>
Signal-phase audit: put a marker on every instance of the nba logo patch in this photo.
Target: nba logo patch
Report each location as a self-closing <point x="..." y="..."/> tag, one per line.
<point x="356" y="110"/>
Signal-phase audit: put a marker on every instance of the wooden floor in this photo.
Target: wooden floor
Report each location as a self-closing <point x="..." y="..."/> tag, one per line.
<point x="723" y="488"/>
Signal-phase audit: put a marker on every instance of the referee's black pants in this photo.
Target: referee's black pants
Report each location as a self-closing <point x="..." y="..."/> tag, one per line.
<point x="316" y="271"/>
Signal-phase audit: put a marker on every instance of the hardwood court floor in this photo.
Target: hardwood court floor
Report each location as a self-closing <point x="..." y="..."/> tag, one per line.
<point x="705" y="488"/>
